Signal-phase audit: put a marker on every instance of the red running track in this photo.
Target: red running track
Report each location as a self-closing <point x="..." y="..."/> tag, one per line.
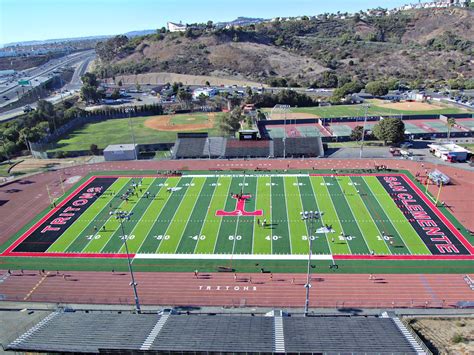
<point x="22" y="200"/>
<point x="221" y="289"/>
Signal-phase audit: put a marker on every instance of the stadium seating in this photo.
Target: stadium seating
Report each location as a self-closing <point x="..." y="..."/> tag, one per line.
<point x="215" y="147"/>
<point x="189" y="148"/>
<point x="298" y="147"/>
<point x="216" y="333"/>
<point x="127" y="332"/>
<point x="340" y="335"/>
<point x="90" y="332"/>
<point x="241" y="149"/>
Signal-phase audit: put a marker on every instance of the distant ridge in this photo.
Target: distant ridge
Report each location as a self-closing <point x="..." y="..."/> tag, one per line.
<point x="239" y="21"/>
<point x="47" y="41"/>
<point x="73" y="39"/>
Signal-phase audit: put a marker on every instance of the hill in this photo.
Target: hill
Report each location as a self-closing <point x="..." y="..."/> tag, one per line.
<point x="419" y="45"/>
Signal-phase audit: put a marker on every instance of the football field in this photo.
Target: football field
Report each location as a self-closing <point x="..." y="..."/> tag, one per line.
<point x="245" y="216"/>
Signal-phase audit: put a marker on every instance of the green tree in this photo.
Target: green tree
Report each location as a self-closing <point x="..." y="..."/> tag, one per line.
<point x="248" y="91"/>
<point x="346" y="89"/>
<point x="230" y="122"/>
<point x="328" y="80"/>
<point x="184" y="96"/>
<point x="377" y="88"/>
<point x="261" y="116"/>
<point x="90" y="79"/>
<point x="390" y="130"/>
<point x="94" y="149"/>
<point x="115" y="94"/>
<point x="89" y="93"/>
<point x="24" y="136"/>
<point x="356" y="134"/>
<point x="202" y="98"/>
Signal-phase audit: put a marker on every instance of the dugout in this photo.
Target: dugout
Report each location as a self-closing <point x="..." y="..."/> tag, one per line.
<point x="119" y="152"/>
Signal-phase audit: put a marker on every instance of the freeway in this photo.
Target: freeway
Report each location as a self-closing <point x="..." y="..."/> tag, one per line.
<point x="80" y="64"/>
<point x="10" y="90"/>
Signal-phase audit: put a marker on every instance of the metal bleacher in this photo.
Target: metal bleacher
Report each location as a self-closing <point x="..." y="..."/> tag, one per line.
<point x="189" y="148"/>
<point x="215" y="147"/>
<point x="88" y="332"/>
<point x="343" y="335"/>
<point x="241" y="149"/>
<point x="298" y="147"/>
<point x="113" y="332"/>
<point x="216" y="333"/>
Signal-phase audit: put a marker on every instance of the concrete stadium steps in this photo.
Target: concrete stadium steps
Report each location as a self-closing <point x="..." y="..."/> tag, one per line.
<point x="109" y="331"/>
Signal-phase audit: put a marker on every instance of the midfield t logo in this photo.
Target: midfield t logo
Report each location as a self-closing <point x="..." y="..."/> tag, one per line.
<point x="239" y="208"/>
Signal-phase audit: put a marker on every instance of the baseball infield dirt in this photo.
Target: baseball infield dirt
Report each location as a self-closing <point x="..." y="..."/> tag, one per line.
<point x="164" y="123"/>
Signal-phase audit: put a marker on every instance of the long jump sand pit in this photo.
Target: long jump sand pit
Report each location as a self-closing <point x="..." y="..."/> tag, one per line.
<point x="408" y="105"/>
<point x="292" y="116"/>
<point x="166" y="123"/>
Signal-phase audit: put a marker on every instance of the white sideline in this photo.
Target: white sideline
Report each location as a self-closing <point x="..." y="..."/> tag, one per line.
<point x="234" y="257"/>
<point x="243" y="175"/>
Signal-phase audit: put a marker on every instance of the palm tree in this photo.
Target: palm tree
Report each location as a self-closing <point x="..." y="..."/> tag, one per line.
<point x="24" y="134"/>
<point x="451" y="122"/>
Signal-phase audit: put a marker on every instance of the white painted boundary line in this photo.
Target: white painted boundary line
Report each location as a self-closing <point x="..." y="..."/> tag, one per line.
<point x="244" y="175"/>
<point x="235" y="256"/>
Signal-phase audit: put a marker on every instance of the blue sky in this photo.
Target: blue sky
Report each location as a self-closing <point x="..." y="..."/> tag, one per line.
<point x="22" y="20"/>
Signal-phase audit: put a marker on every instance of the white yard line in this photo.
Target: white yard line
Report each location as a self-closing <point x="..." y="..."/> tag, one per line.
<point x="400" y="234"/>
<point x="237" y="223"/>
<point x="353" y="216"/>
<point x="189" y="217"/>
<point x="245" y="175"/>
<point x="222" y="219"/>
<point x="176" y="211"/>
<point x="236" y="257"/>
<point x="271" y="217"/>
<point x="320" y="216"/>
<point x="144" y="213"/>
<point x="205" y="217"/>
<point x="337" y="215"/>
<point x="381" y="233"/>
<point x="91" y="221"/>
<point x="287" y="218"/>
<point x="164" y="203"/>
<point x="123" y="202"/>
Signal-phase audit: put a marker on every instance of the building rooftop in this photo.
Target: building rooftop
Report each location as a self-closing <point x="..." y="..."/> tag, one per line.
<point x="448" y="147"/>
<point x="115" y="147"/>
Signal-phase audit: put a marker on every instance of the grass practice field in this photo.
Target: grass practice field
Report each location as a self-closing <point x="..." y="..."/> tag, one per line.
<point x="245" y="217"/>
<point x="374" y="109"/>
<point x="117" y="131"/>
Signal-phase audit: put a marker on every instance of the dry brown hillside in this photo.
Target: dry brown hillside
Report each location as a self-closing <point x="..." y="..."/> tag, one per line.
<point x="431" y="23"/>
<point x="428" y="45"/>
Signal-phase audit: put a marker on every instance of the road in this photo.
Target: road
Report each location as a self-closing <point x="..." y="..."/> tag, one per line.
<point x="10" y="90"/>
<point x="80" y="62"/>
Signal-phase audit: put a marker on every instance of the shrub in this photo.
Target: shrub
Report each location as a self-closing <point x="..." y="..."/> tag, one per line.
<point x="458" y="338"/>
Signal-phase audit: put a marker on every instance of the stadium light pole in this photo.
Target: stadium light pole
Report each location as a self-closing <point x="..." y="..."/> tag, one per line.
<point x="310" y="216"/>
<point x="363" y="130"/>
<point x="121" y="216"/>
<point x="129" y="111"/>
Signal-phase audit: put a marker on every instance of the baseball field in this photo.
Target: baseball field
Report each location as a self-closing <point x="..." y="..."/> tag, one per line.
<point x="243" y="217"/>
